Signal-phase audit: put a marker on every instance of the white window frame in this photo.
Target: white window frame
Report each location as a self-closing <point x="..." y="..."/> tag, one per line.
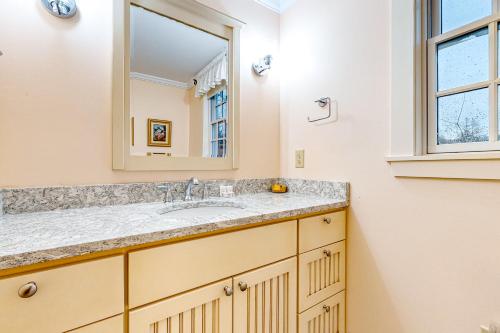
<point x="408" y="153"/>
<point x="209" y="123"/>
<point x="430" y="99"/>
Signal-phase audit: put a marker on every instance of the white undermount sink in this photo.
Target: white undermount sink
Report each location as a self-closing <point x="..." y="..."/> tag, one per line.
<point x="200" y="208"/>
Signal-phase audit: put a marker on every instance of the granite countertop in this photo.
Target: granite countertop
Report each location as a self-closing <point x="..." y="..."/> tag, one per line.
<point x="32" y="238"/>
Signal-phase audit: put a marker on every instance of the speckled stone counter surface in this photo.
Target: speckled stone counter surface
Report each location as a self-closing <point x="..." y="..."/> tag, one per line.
<point x="36" y="237"/>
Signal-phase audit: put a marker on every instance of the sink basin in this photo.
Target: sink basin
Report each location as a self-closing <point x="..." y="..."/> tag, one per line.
<point x="200" y="208"/>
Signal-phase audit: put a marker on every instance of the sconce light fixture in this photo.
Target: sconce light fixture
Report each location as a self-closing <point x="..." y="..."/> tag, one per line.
<point x="60" y="8"/>
<point x="263" y="65"/>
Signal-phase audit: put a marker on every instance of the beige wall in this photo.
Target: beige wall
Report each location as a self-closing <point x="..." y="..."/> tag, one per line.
<point x="55" y="96"/>
<point x="423" y="255"/>
<point x="157" y="101"/>
<point x="196" y="108"/>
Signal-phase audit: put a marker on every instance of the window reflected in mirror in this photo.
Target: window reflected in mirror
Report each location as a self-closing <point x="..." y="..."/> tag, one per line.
<point x="179" y="103"/>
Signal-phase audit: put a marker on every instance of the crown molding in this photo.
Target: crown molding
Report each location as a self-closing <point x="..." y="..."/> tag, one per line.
<point x="270" y="4"/>
<point x="159" y="80"/>
<point x="278" y="6"/>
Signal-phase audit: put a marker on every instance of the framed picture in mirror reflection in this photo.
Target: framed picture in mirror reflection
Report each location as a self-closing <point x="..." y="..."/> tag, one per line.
<point x="159" y="133"/>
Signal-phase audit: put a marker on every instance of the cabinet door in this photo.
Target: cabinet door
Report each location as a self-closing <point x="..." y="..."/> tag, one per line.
<point x="265" y="300"/>
<point x="207" y="310"/>
<point x="321" y="274"/>
<point x="326" y="317"/>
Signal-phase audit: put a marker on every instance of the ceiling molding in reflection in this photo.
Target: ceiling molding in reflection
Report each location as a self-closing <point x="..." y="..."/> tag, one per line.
<point x="159" y="80"/>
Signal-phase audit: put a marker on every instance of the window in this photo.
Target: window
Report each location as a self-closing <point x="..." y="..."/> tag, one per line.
<point x="218" y="123"/>
<point x="462" y="76"/>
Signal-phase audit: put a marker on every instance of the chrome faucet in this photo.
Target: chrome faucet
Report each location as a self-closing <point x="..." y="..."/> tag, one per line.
<point x="189" y="188"/>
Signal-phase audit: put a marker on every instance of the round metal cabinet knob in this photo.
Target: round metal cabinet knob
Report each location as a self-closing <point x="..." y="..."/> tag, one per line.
<point x="327" y="220"/>
<point x="327" y="253"/>
<point x="228" y="291"/>
<point x="243" y="286"/>
<point x="28" y="290"/>
<point x="326" y="308"/>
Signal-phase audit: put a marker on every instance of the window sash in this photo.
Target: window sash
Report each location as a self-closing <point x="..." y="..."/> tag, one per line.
<point x="430" y="97"/>
<point x="213" y="120"/>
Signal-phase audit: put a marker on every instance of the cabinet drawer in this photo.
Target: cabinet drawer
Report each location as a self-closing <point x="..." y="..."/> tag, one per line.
<point x="327" y="317"/>
<point x="168" y="270"/>
<point x="111" y="325"/>
<point x="321" y="274"/>
<point x="65" y="298"/>
<point x="205" y="310"/>
<point x="321" y="230"/>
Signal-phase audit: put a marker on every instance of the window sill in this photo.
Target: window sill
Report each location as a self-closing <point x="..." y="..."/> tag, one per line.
<point x="448" y="166"/>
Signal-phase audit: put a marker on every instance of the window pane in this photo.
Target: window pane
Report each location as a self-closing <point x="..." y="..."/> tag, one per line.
<point x="212" y="109"/>
<point x="224" y="110"/>
<point x="219" y="114"/>
<point x="498" y="113"/>
<point x="222" y="130"/>
<point x="463" y="117"/>
<point x="222" y="149"/>
<point x="225" y="95"/>
<point x="214" y="149"/>
<point x="457" y="13"/>
<point x="219" y="98"/>
<point x="498" y="47"/>
<point x="214" y="131"/>
<point x="463" y="60"/>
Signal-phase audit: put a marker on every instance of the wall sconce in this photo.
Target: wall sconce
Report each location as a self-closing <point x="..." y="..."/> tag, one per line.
<point x="263" y="66"/>
<point x="60" y="8"/>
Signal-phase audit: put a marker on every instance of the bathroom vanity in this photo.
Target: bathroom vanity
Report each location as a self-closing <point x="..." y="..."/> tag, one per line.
<point x="277" y="265"/>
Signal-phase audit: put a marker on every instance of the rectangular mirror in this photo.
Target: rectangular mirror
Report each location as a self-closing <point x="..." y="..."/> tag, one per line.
<point x="176" y="98"/>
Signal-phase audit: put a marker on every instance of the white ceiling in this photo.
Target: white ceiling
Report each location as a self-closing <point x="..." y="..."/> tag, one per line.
<point x="278" y="6"/>
<point x="167" y="49"/>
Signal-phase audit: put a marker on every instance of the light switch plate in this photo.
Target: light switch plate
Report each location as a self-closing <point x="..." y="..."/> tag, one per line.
<point x="299" y="158"/>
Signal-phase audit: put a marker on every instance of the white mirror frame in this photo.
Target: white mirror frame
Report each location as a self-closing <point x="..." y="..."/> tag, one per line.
<point x="199" y="16"/>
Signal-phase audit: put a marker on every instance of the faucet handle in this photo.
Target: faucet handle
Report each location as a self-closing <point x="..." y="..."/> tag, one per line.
<point x="195" y="181"/>
<point x="205" y="192"/>
<point x="167" y="189"/>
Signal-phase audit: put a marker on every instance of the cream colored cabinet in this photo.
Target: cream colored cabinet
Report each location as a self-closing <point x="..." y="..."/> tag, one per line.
<point x="322" y="274"/>
<point x="326" y="317"/>
<point x="265" y="299"/>
<point x="171" y="269"/>
<point x="111" y="325"/>
<point x="204" y="310"/>
<point x="61" y="299"/>
<point x="259" y="280"/>
<point x="318" y="231"/>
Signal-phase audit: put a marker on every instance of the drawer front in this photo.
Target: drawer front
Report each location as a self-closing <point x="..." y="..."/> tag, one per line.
<point x="205" y="310"/>
<point x="326" y="317"/>
<point x="168" y="270"/>
<point x="66" y="298"/>
<point x="321" y="274"/>
<point x="111" y="325"/>
<point x="318" y="231"/>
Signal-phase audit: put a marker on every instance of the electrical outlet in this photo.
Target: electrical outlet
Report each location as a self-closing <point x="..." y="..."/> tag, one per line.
<point x="299" y="158"/>
<point x="226" y="191"/>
